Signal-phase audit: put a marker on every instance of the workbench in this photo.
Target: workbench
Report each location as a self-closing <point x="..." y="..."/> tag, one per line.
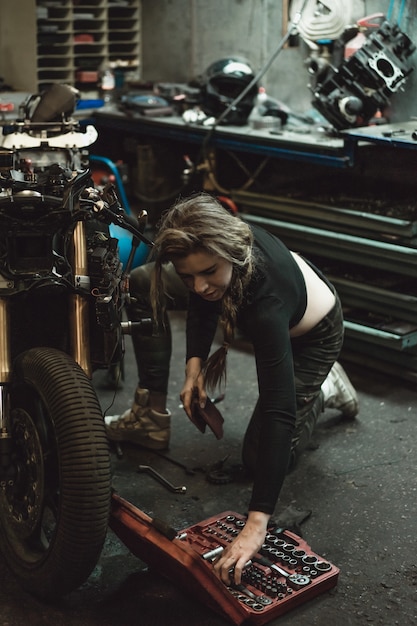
<point x="304" y="145"/>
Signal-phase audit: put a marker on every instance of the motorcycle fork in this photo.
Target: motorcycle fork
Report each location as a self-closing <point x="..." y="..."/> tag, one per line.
<point x="5" y="373"/>
<point x="79" y="333"/>
<point x="79" y="305"/>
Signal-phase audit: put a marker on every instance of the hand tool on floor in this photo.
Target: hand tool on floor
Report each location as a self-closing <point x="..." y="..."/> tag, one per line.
<point x="164" y="481"/>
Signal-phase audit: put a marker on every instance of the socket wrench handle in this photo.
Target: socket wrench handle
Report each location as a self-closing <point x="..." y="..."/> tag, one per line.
<point x="296" y="581"/>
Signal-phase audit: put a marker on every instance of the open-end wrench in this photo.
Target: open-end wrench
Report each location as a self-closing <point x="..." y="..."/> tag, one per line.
<point x="264" y="600"/>
<point x="152" y="471"/>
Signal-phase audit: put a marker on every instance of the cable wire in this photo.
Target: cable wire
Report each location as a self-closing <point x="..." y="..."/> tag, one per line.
<point x="400" y="11"/>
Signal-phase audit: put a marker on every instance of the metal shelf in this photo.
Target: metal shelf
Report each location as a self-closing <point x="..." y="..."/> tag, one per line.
<point x="337" y="245"/>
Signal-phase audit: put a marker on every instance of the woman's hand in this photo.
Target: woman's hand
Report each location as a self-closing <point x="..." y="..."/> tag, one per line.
<point x="242" y="549"/>
<point x="193" y="385"/>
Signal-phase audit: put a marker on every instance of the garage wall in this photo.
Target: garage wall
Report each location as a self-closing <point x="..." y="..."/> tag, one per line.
<point x="182" y="37"/>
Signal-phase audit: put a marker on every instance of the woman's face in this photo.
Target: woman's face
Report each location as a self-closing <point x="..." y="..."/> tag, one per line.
<point x="206" y="275"/>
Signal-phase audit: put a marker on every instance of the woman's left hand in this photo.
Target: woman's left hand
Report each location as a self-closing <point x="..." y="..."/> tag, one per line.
<point x="229" y="566"/>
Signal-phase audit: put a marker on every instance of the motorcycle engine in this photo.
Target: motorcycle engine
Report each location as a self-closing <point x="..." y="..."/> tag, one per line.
<point x="363" y="83"/>
<point x="39" y="189"/>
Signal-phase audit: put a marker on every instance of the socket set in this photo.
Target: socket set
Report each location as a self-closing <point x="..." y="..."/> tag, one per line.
<point x="283" y="575"/>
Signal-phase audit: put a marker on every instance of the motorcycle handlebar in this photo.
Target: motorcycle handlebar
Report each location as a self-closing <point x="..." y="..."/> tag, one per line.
<point x="130" y="223"/>
<point x="106" y="203"/>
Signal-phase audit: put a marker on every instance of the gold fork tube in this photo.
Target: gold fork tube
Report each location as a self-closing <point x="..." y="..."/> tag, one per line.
<point x="79" y="306"/>
<point x="5" y="372"/>
<point x="5" y="358"/>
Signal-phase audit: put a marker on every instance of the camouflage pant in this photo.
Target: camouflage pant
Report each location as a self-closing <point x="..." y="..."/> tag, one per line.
<point x="153" y="353"/>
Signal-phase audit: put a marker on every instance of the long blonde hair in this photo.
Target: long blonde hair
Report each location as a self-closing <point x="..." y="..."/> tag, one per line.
<point x="200" y="222"/>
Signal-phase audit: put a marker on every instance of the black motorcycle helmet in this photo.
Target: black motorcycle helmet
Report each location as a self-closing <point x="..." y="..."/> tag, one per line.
<point x="223" y="81"/>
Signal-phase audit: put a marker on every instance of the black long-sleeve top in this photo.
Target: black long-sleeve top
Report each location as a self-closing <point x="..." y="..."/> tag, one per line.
<point x="275" y="301"/>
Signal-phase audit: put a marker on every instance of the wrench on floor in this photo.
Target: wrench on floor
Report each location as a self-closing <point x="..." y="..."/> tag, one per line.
<point x="152" y="471"/>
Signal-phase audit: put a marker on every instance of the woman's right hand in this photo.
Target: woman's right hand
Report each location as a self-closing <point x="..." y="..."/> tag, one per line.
<point x="193" y="385"/>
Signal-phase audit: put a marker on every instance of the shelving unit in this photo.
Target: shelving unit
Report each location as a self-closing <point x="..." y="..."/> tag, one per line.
<point x="66" y="41"/>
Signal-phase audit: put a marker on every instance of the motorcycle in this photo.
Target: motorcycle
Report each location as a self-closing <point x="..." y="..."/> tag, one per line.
<point x="62" y="292"/>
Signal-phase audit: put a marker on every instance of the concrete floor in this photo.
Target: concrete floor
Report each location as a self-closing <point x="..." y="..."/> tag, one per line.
<point x="358" y="480"/>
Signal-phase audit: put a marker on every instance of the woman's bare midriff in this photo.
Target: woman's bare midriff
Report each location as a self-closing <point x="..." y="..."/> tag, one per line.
<point x="320" y="299"/>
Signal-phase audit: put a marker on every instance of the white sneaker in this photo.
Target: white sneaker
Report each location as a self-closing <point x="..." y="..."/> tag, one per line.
<point x="339" y="392"/>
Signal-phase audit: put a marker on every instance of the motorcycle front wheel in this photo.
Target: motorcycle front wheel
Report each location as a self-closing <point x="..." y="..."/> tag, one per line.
<point x="55" y="504"/>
